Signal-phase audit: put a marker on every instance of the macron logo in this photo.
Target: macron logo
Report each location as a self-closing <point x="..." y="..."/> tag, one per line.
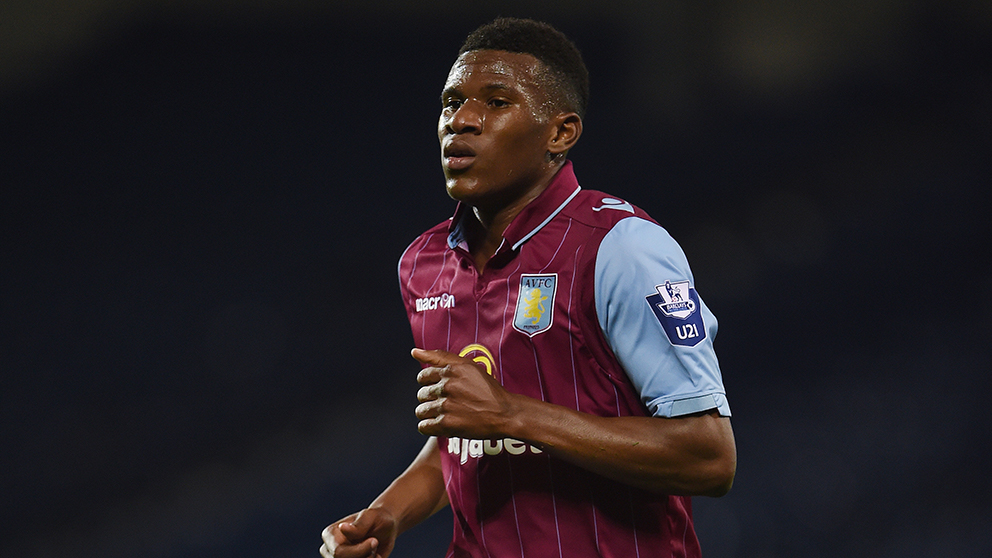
<point x="434" y="302"/>
<point x="613" y="203"/>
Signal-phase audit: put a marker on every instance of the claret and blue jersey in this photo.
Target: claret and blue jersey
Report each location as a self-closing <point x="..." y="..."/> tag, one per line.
<point x="588" y="304"/>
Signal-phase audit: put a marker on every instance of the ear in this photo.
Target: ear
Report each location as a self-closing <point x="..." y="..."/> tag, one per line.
<point x="567" y="129"/>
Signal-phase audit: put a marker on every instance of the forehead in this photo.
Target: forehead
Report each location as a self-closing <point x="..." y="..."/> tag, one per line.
<point x="489" y="67"/>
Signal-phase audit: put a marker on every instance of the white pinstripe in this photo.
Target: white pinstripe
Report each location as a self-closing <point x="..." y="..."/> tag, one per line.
<point x="554" y="505"/>
<point x="423" y="325"/>
<point x="537" y="364"/>
<point x="448" y="347"/>
<point x="560" y="244"/>
<point x="633" y="523"/>
<point x="413" y="271"/>
<point x="516" y="519"/>
<point x="499" y="357"/>
<point x="571" y="348"/>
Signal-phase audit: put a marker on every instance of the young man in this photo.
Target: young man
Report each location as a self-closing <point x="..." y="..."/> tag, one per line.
<point x="570" y="391"/>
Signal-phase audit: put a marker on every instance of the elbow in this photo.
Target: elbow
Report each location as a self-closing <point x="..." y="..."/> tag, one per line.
<point x="721" y="475"/>
<point x="722" y="466"/>
<point x="706" y="464"/>
<point x="713" y="478"/>
<point x="721" y="482"/>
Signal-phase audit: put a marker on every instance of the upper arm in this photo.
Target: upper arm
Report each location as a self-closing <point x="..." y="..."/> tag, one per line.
<point x="662" y="335"/>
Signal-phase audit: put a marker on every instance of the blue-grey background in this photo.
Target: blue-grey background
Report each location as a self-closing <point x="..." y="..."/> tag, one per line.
<point x="203" y="349"/>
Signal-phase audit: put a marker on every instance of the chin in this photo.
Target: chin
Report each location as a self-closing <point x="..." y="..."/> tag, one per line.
<point x="461" y="189"/>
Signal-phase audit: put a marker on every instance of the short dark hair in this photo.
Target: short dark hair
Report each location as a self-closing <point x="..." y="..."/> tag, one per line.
<point x="569" y="78"/>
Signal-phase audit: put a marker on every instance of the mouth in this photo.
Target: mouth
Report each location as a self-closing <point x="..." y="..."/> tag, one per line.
<point x="457" y="156"/>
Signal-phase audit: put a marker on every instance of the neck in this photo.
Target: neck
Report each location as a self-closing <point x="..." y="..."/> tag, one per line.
<point x="486" y="234"/>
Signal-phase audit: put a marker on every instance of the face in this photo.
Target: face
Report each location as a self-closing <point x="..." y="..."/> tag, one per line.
<point x="494" y="129"/>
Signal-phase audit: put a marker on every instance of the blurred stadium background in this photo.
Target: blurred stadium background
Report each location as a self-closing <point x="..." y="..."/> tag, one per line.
<point x="203" y="348"/>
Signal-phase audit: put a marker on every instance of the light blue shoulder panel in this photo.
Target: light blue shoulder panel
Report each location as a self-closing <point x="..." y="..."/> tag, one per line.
<point x="657" y="326"/>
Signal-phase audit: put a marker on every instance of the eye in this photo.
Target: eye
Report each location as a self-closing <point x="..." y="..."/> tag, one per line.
<point x="499" y="103"/>
<point x="451" y="104"/>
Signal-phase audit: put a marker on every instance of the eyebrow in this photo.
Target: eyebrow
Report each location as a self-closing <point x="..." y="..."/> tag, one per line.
<point x="450" y="92"/>
<point x="455" y="91"/>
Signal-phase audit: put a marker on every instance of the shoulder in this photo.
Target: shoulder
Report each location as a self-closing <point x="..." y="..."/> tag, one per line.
<point x="635" y="256"/>
<point x="602" y="210"/>
<point x="430" y="243"/>
<point x="434" y="236"/>
<point x="638" y="245"/>
<point x="623" y="227"/>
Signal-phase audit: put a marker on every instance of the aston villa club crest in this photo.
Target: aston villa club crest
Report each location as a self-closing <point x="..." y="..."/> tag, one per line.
<point x="535" y="303"/>
<point x="676" y="305"/>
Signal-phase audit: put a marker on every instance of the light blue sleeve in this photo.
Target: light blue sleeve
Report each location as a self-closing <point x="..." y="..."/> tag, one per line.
<point x="656" y="324"/>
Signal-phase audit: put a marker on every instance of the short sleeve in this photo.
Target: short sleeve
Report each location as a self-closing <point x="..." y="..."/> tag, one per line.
<point x="656" y="324"/>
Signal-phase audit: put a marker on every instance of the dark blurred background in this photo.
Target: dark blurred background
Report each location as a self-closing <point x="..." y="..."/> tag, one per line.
<point x="204" y="351"/>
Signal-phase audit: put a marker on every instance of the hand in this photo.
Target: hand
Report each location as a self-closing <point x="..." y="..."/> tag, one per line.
<point x="369" y="533"/>
<point x="459" y="398"/>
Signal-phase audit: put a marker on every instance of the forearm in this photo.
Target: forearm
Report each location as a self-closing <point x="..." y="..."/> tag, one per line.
<point x="693" y="455"/>
<point x="418" y="492"/>
<point x="686" y="455"/>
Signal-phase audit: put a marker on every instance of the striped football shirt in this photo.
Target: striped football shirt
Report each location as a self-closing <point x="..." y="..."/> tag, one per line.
<point x="589" y="304"/>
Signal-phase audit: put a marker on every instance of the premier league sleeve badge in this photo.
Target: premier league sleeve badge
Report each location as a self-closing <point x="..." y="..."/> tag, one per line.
<point x="676" y="305"/>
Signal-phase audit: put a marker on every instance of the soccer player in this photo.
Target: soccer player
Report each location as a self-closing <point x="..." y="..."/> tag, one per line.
<point x="572" y="402"/>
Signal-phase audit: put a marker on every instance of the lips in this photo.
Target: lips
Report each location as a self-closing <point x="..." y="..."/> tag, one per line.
<point x="458" y="156"/>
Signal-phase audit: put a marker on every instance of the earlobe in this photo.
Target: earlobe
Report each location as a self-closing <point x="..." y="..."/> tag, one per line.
<point x="567" y="131"/>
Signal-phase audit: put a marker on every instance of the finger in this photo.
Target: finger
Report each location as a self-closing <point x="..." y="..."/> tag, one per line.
<point x="332" y="536"/>
<point x="365" y="549"/>
<point x="430" y="392"/>
<point x="349" y="533"/>
<point x="429" y="376"/>
<point x="430" y="426"/>
<point x="345" y="540"/>
<point x="428" y="410"/>
<point x="436" y="357"/>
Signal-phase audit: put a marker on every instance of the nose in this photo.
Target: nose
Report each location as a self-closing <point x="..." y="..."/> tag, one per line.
<point x="467" y="119"/>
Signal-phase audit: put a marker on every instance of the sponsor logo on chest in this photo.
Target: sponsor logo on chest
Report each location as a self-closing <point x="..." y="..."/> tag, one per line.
<point x="535" y="311"/>
<point x="475" y="449"/>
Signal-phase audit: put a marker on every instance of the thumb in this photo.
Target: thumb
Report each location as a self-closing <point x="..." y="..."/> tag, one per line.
<point x="436" y="357"/>
<point x="358" y="528"/>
